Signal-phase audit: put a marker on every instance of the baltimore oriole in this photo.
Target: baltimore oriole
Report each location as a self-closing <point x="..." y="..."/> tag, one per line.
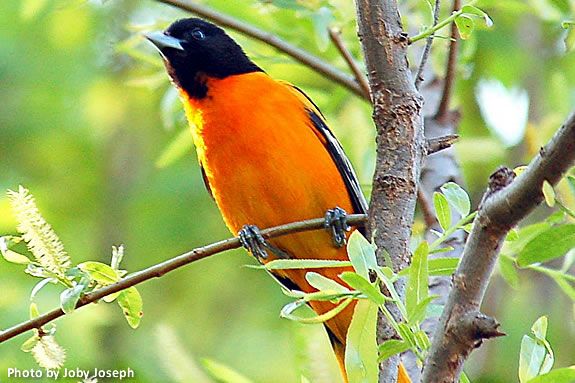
<point x="266" y="153"/>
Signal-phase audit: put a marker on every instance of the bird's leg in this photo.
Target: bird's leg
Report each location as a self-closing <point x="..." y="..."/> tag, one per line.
<point x="254" y="242"/>
<point x="336" y="223"/>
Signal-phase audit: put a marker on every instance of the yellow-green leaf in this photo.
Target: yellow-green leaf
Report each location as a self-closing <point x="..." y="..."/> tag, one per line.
<point x="361" y="254"/>
<point x="359" y="283"/>
<point x="417" y="285"/>
<point x="465" y="26"/>
<point x="131" y="303"/>
<point x="100" y="272"/>
<point x="442" y="210"/>
<point x="550" y="244"/>
<point x="548" y="193"/>
<point x="361" y="350"/>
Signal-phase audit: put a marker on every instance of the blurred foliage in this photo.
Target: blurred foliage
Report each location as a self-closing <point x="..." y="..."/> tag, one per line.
<point x="89" y="124"/>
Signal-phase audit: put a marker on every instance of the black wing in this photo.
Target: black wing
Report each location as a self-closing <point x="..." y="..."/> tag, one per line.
<point x="338" y="156"/>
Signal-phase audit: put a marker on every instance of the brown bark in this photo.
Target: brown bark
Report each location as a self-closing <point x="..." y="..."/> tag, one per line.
<point x="400" y="144"/>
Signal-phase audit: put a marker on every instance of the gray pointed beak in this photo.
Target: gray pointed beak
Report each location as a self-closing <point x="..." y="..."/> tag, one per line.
<point x="161" y="40"/>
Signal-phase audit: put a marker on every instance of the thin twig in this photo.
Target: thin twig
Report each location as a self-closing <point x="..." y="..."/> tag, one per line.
<point x="448" y="82"/>
<point x="437" y="144"/>
<point x="427" y="49"/>
<point x="298" y="54"/>
<point x="160" y="269"/>
<point x="335" y="36"/>
<point x="462" y="327"/>
<point x="426" y="209"/>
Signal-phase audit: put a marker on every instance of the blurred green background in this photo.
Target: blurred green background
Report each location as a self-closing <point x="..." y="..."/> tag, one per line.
<point x="89" y="124"/>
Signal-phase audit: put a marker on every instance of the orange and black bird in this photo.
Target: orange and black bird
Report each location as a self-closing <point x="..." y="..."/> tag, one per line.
<point x="267" y="156"/>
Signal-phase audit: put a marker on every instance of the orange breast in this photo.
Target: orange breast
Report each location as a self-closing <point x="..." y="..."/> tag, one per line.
<point x="266" y="166"/>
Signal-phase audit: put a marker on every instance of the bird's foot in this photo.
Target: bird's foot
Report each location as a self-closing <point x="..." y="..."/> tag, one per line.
<point x="253" y="241"/>
<point x="336" y="223"/>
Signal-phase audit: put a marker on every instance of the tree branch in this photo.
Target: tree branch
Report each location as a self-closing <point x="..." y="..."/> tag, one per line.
<point x="505" y="203"/>
<point x="400" y="145"/>
<point x="436" y="144"/>
<point x="304" y="57"/>
<point x="449" y="80"/>
<point x="335" y="36"/>
<point x="427" y="49"/>
<point x="165" y="267"/>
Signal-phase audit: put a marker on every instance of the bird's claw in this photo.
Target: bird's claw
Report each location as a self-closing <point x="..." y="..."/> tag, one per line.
<point x="336" y="223"/>
<point x="253" y="241"/>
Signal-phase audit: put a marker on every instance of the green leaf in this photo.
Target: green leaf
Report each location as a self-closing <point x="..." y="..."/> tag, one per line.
<point x="287" y="312"/>
<point x="361" y="254"/>
<point x="556" y="218"/>
<point x="324" y="284"/>
<point x="286" y="264"/>
<point x="69" y="298"/>
<point x="406" y="333"/>
<point x="550" y="244"/>
<point x="131" y="303"/>
<point x="524" y="235"/>
<point x="536" y="357"/>
<point x="422" y="340"/>
<point x="34" y="312"/>
<point x="560" y="375"/>
<point x="465" y="26"/>
<point x="359" y="283"/>
<point x="222" y="373"/>
<point x="30" y="343"/>
<point x="419" y="312"/>
<point x="391" y="347"/>
<point x="442" y="210"/>
<point x="539" y="328"/>
<point x="11" y="256"/>
<point x="441" y="250"/>
<point x="463" y="378"/>
<point x="471" y="10"/>
<point x="508" y="271"/>
<point x="100" y="272"/>
<point x="571" y="182"/>
<point x="442" y="266"/>
<point x="548" y="193"/>
<point x="180" y="146"/>
<point x="457" y="198"/>
<point x="361" y="350"/>
<point x="417" y="285"/>
<point x="512" y="235"/>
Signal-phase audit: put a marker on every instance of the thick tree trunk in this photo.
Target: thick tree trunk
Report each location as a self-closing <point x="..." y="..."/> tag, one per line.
<point x="400" y="143"/>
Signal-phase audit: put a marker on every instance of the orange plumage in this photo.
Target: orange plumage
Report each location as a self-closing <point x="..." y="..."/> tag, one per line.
<point x="267" y="155"/>
<point x="267" y="169"/>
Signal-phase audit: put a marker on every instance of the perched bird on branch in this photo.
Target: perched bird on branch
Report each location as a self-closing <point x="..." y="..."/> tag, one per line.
<point x="267" y="156"/>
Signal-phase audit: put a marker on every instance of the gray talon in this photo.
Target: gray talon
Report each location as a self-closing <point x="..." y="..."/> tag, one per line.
<point x="253" y="241"/>
<point x="336" y="223"/>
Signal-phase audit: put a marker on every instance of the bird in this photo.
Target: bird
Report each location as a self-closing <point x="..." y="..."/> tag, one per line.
<point x="267" y="157"/>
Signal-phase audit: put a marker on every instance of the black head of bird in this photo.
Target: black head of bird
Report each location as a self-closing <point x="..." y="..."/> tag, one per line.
<point x="193" y="49"/>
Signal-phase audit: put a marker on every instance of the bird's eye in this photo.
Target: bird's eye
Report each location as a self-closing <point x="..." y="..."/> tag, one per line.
<point x="198" y="34"/>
